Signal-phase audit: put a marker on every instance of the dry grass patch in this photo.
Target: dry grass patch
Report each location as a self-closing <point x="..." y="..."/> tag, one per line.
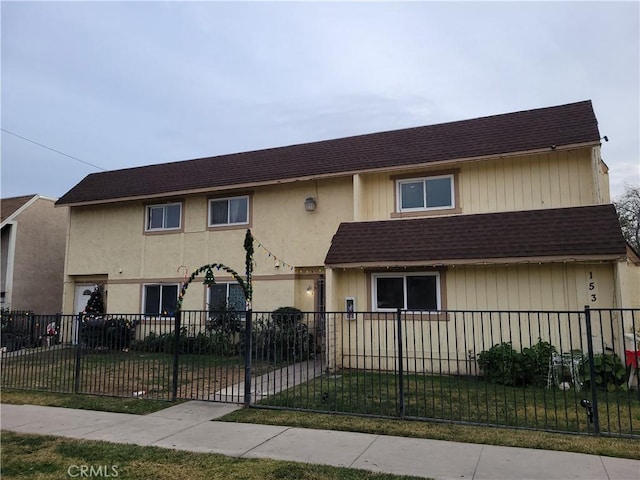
<point x="49" y="458"/>
<point x="123" y="373"/>
<point x="136" y="406"/>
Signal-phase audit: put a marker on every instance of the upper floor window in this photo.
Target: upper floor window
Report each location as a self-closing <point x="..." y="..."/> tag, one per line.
<point x="427" y="193"/>
<point x="160" y="299"/>
<point x="412" y="291"/>
<point x="229" y="211"/>
<point x="167" y="216"/>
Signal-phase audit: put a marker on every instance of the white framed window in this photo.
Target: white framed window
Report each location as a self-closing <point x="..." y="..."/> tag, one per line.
<point x="426" y="193"/>
<point x="167" y="216"/>
<point x="418" y="291"/>
<point x="226" y="296"/>
<point x="229" y="211"/>
<point x="160" y="299"/>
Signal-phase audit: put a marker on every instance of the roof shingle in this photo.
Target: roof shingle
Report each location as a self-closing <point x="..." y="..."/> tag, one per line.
<point x="561" y="232"/>
<point x="8" y="206"/>
<point x="541" y="128"/>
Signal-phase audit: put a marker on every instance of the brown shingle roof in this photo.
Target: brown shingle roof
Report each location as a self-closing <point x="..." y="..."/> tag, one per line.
<point x="561" y="232"/>
<point x="8" y="206"/>
<point x="569" y="124"/>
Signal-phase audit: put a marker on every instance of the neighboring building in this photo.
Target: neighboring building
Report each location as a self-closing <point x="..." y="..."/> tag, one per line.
<point x="509" y="211"/>
<point x="33" y="243"/>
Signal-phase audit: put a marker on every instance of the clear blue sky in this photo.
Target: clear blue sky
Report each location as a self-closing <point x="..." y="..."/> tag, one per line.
<point x="125" y="84"/>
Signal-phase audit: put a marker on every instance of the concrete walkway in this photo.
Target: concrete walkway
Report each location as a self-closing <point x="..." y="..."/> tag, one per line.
<point x="271" y="382"/>
<point x="188" y="426"/>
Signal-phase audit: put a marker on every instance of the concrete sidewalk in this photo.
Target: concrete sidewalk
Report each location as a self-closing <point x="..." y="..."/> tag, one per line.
<point x="188" y="426"/>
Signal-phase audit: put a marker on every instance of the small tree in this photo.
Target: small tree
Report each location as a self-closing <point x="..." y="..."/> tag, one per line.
<point x="628" y="208"/>
<point x="95" y="305"/>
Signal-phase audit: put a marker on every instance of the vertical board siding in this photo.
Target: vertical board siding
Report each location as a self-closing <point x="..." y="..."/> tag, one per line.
<point x="546" y="180"/>
<point x="452" y="346"/>
<point x="481" y="301"/>
<point x="559" y="286"/>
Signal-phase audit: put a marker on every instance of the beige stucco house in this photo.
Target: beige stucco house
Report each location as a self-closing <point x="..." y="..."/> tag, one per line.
<point x="33" y="250"/>
<point x="510" y="211"/>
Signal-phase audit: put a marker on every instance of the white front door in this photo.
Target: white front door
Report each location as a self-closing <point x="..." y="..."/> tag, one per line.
<point x="82" y="296"/>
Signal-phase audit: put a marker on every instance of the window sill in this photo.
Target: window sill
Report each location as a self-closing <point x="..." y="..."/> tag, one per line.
<point x="427" y="213"/>
<point x="165" y="231"/>
<point x="233" y="226"/>
<point x="406" y="316"/>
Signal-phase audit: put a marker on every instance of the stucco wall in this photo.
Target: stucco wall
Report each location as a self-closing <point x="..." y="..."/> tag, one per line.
<point x="4" y="252"/>
<point x="41" y="231"/>
<point x="110" y="240"/>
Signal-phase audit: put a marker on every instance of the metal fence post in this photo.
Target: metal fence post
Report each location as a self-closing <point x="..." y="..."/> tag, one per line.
<point x="176" y="352"/>
<point x="78" y="339"/>
<point x="592" y="376"/>
<point x="247" y="357"/>
<point x="400" y="367"/>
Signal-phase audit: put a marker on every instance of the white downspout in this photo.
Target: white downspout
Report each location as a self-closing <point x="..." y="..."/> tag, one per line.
<point x="357" y="192"/>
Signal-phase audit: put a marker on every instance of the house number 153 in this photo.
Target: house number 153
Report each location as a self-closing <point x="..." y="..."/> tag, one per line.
<point x="593" y="296"/>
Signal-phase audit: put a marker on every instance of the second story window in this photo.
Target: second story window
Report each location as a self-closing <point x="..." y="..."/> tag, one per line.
<point x="427" y="193"/>
<point x="163" y="217"/>
<point x="229" y="211"/>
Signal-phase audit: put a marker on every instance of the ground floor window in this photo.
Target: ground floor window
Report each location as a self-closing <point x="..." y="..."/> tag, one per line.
<point x="410" y="291"/>
<point x="160" y="299"/>
<point x="223" y="296"/>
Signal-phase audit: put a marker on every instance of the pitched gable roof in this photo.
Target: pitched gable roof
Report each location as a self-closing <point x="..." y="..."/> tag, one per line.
<point x="590" y="231"/>
<point x="10" y="206"/>
<point x="571" y="124"/>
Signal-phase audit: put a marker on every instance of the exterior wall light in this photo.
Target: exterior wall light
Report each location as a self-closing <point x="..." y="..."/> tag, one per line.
<point x="310" y="290"/>
<point x="310" y="204"/>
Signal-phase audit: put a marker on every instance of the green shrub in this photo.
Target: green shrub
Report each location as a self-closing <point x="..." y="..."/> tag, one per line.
<point x="220" y="337"/>
<point x="503" y="365"/>
<point x="211" y="343"/>
<point x="286" y="317"/>
<point x="498" y="363"/>
<point x="154" y="343"/>
<point x="535" y="363"/>
<point x="223" y="328"/>
<point x="106" y="332"/>
<point x="279" y="336"/>
<point x="282" y="336"/>
<point x="609" y="372"/>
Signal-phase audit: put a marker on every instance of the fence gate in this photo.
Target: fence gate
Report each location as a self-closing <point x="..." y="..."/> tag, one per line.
<point x="210" y="364"/>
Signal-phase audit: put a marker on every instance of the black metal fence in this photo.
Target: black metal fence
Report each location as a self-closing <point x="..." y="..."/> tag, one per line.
<point x="570" y="371"/>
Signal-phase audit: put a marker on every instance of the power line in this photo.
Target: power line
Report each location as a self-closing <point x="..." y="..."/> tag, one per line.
<point x="53" y="149"/>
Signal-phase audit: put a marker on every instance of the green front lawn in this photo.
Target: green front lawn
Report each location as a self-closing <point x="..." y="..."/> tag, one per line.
<point x="462" y="399"/>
